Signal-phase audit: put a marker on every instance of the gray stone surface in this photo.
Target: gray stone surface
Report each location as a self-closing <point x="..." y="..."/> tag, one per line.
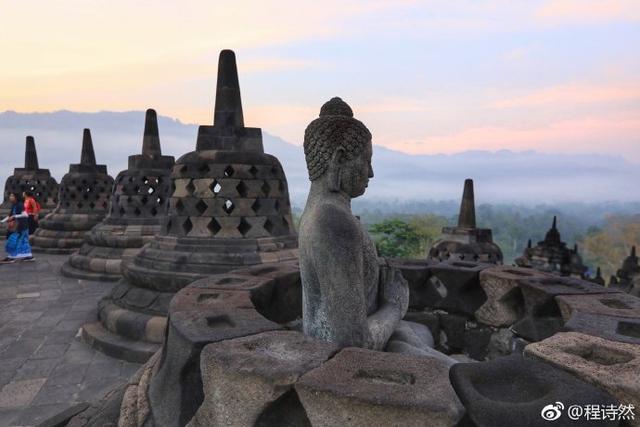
<point x="609" y="365"/>
<point x="504" y="304"/>
<point x="248" y="379"/>
<point x="44" y="368"/>
<point x="361" y="387"/>
<point x="513" y="390"/>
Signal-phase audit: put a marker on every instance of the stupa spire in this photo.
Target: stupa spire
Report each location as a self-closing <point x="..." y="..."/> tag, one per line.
<point x="467" y="217"/>
<point x="30" y="155"/>
<point x="553" y="225"/>
<point x="88" y="156"/>
<point x="633" y="251"/>
<point x="151" y="138"/>
<point x="228" y="108"/>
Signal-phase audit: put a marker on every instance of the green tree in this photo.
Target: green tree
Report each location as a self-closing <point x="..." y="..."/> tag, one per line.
<point x="396" y="239"/>
<point x="428" y="227"/>
<point x="609" y="246"/>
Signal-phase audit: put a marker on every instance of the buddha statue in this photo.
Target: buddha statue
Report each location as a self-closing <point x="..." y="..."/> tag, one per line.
<point x="349" y="295"/>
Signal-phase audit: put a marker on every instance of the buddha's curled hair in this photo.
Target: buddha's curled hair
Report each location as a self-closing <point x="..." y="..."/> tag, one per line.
<point x="335" y="128"/>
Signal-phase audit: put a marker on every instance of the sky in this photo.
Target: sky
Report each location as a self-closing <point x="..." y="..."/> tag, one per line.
<point x="425" y="76"/>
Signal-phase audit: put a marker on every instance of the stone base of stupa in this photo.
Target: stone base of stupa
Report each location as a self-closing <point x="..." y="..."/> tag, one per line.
<point x="133" y="317"/>
<point x="106" y="248"/>
<point x="60" y="233"/>
<point x="466" y="244"/>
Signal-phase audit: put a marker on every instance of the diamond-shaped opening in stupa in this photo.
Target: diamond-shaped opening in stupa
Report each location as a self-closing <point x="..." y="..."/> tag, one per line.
<point x="201" y="207"/>
<point x="215" y="187"/>
<point x="214" y="226"/>
<point x="228" y="206"/>
<point x="244" y="227"/>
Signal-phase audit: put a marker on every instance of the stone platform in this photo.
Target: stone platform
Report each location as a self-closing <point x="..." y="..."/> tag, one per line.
<point x="44" y="368"/>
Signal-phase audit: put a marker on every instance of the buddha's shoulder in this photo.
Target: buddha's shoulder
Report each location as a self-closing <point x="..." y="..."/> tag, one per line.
<point x="328" y="219"/>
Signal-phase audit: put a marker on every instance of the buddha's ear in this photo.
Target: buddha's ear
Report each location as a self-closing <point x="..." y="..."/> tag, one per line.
<point x="335" y="169"/>
<point x="338" y="157"/>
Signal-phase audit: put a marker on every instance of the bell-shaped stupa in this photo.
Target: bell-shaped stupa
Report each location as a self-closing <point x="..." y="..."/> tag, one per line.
<point x="83" y="201"/>
<point x="138" y="206"/>
<point x="466" y="242"/>
<point x="552" y="255"/>
<point x="229" y="208"/>
<point x="627" y="277"/>
<point x="30" y="178"/>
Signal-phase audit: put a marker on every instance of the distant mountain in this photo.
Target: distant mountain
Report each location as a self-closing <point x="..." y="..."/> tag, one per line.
<point x="525" y="177"/>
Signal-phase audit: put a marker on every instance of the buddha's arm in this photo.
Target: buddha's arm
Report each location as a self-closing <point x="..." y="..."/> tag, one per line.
<point x="340" y="248"/>
<point x="338" y="260"/>
<point x="394" y="298"/>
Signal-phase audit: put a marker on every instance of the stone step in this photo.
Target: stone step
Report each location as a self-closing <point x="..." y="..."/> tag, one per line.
<point x="69" y="270"/>
<point x="116" y="346"/>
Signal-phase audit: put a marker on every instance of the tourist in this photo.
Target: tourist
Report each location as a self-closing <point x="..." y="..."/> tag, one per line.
<point x="32" y="208"/>
<point x="17" y="245"/>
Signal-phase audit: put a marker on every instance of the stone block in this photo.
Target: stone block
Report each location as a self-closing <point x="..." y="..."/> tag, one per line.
<point x="512" y="390"/>
<point x="542" y="317"/>
<point x="609" y="365"/>
<point x="197" y="316"/>
<point x="504" y="304"/>
<point x="618" y="305"/>
<point x="417" y="274"/>
<point x="452" y="331"/>
<point x="361" y="387"/>
<point x="458" y="283"/>
<point x="249" y="380"/>
<point x="613" y="328"/>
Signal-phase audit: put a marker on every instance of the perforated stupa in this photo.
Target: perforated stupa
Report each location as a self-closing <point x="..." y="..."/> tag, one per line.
<point x="138" y="206"/>
<point x="83" y="201"/>
<point x="229" y="208"/>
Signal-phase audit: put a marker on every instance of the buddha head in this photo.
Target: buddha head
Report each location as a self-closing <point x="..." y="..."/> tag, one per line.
<point x="338" y="150"/>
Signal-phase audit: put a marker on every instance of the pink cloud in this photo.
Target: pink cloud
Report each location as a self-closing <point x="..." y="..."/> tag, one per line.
<point x="588" y="11"/>
<point x="572" y="95"/>
<point x="617" y="133"/>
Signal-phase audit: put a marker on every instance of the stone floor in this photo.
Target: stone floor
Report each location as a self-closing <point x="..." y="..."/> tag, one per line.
<point x="44" y="368"/>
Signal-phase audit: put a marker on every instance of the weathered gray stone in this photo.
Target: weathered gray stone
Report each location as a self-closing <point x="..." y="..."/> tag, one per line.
<point x="505" y="304"/>
<point x="245" y="379"/>
<point x="200" y="315"/>
<point x="615" y="328"/>
<point x="512" y="390"/>
<point x="542" y="317"/>
<point x="458" y="283"/>
<point x="609" y="365"/>
<point x="361" y="387"/>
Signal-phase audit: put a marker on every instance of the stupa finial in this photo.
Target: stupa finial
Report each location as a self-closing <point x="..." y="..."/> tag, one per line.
<point x="151" y="138"/>
<point x="88" y="156"/>
<point x="228" y="108"/>
<point x="467" y="217"/>
<point x="30" y="155"/>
